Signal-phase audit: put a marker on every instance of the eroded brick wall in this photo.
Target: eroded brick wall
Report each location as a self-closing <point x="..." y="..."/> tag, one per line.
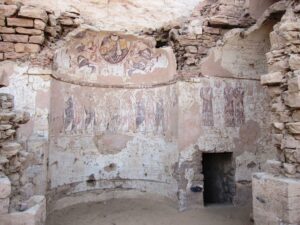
<point x="24" y="29"/>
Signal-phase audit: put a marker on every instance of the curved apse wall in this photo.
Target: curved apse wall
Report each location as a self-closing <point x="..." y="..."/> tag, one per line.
<point x="106" y="132"/>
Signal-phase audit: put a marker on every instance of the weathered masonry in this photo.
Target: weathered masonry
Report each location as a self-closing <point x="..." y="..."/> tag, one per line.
<point x="200" y="108"/>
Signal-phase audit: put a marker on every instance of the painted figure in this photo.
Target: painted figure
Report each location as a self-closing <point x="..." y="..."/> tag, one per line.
<point x="206" y="94"/>
<point x="114" y="48"/>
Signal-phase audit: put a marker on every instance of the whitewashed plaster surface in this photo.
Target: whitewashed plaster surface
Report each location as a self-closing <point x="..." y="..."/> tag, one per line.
<point x="121" y="15"/>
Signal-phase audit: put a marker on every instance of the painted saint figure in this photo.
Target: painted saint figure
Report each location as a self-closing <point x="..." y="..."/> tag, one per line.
<point x="238" y="94"/>
<point x="234" y="107"/>
<point x="206" y="94"/>
<point x="69" y="114"/>
<point x="114" y="48"/>
<point x="229" y="107"/>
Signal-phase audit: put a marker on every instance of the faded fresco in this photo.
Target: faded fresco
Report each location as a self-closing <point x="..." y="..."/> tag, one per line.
<point x="206" y="94"/>
<point x="91" y="55"/>
<point x="217" y="110"/>
<point x="121" y="111"/>
<point x="222" y="115"/>
<point x="234" y="106"/>
<point x="109" y="133"/>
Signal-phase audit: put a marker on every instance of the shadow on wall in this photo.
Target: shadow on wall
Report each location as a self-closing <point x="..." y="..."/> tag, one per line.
<point x="257" y="7"/>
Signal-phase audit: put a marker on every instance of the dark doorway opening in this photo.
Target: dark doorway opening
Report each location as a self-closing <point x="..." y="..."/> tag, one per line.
<point x="219" y="185"/>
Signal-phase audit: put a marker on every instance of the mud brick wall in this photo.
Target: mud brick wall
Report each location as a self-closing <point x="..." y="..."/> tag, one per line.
<point x="283" y="82"/>
<point x="21" y="30"/>
<point x="13" y="158"/>
<point x="201" y="32"/>
<point x="24" y="29"/>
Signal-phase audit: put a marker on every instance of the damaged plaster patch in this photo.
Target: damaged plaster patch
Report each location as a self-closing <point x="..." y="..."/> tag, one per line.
<point x="111" y="143"/>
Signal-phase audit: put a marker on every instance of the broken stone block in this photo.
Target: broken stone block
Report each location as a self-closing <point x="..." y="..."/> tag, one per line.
<point x="8" y="10"/>
<point x="212" y="30"/>
<point x="22" y="30"/>
<point x="277" y="139"/>
<point x="289" y="168"/>
<point x="31" y="48"/>
<point x="275" y="199"/>
<point x="14" y="177"/>
<point x="274" y="91"/>
<point x="33" y="12"/>
<point x="52" y="20"/>
<point x="10" y="132"/>
<point x="66" y="21"/>
<point x="7" y="116"/>
<point x="294" y="84"/>
<point x="191" y="49"/>
<point x="5" y="126"/>
<point x="6" y="47"/>
<point x="73" y="10"/>
<point x="3" y="160"/>
<point x="294" y="61"/>
<point x="21" y="117"/>
<point x="19" y="47"/>
<point x="296" y="115"/>
<point x="19" y="22"/>
<point x="278" y="126"/>
<point x="51" y="31"/>
<point x="293" y="100"/>
<point x="273" y="167"/>
<point x="39" y="24"/>
<point x="10" y="149"/>
<point x="34" y="214"/>
<point x="292" y="155"/>
<point x="7" y="30"/>
<point x="70" y="14"/>
<point x="15" y="38"/>
<point x="217" y="21"/>
<point x="78" y="21"/>
<point x="289" y="141"/>
<point x="271" y="78"/>
<point x="289" y="26"/>
<point x="37" y="39"/>
<point x="293" y="128"/>
<point x="13" y="55"/>
<point x="5" y="187"/>
<point x="297" y="9"/>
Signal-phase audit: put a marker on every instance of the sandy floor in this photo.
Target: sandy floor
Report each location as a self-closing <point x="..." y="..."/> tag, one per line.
<point x="146" y="212"/>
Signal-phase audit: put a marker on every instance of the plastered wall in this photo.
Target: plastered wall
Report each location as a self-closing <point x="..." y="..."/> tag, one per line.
<point x="113" y="138"/>
<point x="111" y="113"/>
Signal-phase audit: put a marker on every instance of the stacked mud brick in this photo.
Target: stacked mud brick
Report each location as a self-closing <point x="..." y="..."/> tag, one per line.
<point x="276" y="194"/>
<point x="62" y="25"/>
<point x="21" y="30"/>
<point x="12" y="156"/>
<point x="201" y="32"/>
<point x="283" y="84"/>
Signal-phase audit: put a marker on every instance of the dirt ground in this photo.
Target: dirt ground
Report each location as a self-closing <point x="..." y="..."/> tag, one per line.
<point x="146" y="212"/>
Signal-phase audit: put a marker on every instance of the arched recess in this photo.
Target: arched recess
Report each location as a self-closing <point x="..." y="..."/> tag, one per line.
<point x="112" y="120"/>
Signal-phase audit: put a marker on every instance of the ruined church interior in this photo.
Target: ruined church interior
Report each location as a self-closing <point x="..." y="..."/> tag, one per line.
<point x="139" y="112"/>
